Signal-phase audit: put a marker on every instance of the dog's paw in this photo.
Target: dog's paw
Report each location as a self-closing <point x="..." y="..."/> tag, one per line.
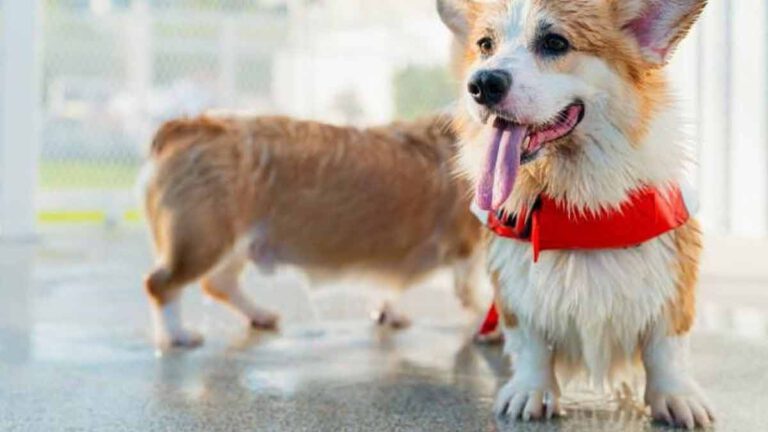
<point x="390" y="318"/>
<point x="181" y="338"/>
<point x="686" y="409"/>
<point x="519" y="401"/>
<point x="264" y="320"/>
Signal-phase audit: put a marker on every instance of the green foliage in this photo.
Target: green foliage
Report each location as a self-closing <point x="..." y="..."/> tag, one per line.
<point x="422" y="90"/>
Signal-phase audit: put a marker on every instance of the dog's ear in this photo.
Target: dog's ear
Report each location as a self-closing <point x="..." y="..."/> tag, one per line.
<point x="658" y="26"/>
<point x="455" y="15"/>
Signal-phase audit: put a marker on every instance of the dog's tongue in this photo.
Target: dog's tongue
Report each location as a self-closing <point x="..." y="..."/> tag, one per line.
<point x="501" y="165"/>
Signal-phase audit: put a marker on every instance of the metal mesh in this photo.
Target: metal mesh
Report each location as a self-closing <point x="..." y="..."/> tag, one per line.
<point x="115" y="69"/>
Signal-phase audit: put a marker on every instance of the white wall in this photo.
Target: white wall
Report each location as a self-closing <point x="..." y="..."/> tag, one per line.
<point x="722" y="73"/>
<point x="749" y="142"/>
<point x="19" y="120"/>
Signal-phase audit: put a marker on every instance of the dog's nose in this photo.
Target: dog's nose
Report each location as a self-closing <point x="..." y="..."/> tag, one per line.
<point x="488" y="87"/>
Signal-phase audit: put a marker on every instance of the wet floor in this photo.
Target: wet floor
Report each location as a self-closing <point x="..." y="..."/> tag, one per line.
<point x="75" y="355"/>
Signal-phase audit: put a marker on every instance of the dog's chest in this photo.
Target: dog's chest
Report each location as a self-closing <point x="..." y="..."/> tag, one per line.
<point x="598" y="300"/>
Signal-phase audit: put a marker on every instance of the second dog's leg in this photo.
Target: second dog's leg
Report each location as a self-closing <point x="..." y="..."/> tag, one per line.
<point x="223" y="284"/>
<point x="388" y="316"/>
<point x="467" y="276"/>
<point x="165" y="299"/>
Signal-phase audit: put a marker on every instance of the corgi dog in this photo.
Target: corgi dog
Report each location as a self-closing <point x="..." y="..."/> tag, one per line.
<point x="570" y="135"/>
<point x="222" y="190"/>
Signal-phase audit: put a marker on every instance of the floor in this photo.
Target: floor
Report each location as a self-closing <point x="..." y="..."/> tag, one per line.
<point x="75" y="354"/>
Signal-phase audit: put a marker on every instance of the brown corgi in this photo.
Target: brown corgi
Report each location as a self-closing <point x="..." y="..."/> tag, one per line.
<point x="220" y="191"/>
<point x="570" y="135"/>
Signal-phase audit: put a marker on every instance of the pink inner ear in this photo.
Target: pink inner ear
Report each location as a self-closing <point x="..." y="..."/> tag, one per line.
<point x="650" y="29"/>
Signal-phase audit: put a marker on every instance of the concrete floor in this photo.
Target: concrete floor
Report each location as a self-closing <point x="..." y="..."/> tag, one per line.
<point x="75" y="355"/>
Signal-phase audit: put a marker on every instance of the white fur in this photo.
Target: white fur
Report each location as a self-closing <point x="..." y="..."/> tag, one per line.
<point x="610" y="166"/>
<point x="671" y="392"/>
<point x="225" y="277"/>
<point x="533" y="392"/>
<point x="592" y="305"/>
<point x="169" y="329"/>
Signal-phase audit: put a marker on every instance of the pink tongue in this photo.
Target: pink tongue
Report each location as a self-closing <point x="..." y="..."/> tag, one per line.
<point x="501" y="165"/>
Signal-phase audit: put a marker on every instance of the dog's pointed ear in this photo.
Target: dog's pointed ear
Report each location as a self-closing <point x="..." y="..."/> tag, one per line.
<point x="658" y="26"/>
<point x="455" y="15"/>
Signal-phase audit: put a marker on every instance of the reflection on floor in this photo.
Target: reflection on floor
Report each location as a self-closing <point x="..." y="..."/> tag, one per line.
<point x="75" y="355"/>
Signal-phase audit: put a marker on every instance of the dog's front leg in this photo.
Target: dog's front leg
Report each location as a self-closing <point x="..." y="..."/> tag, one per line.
<point x="672" y="393"/>
<point x="533" y="392"/>
<point x="467" y="277"/>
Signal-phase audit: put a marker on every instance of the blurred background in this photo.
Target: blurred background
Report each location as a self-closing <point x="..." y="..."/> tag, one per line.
<point x="86" y="82"/>
<point x="112" y="70"/>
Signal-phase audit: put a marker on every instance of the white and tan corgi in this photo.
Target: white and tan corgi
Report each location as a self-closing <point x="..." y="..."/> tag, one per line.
<point x="566" y="101"/>
<point x="220" y="191"/>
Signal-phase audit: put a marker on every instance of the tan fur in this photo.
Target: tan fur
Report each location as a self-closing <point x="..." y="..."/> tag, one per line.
<point x="688" y="246"/>
<point x="590" y="25"/>
<point x="383" y="200"/>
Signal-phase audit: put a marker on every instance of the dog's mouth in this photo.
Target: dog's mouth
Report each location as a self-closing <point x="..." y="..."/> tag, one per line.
<point x="516" y="144"/>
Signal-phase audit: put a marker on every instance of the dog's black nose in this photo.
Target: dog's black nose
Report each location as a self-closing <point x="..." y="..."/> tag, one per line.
<point x="488" y="87"/>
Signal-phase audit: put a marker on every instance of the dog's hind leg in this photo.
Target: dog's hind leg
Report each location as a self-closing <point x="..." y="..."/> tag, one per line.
<point x="164" y="290"/>
<point x="223" y="284"/>
<point x="187" y="248"/>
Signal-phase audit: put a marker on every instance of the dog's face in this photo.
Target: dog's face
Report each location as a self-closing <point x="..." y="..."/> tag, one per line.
<point x="548" y="79"/>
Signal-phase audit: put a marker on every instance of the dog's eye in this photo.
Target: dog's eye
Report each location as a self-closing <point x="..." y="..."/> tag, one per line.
<point x="486" y="46"/>
<point x="553" y="44"/>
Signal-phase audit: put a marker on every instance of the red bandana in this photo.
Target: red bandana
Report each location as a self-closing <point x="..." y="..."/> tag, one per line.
<point x="550" y="225"/>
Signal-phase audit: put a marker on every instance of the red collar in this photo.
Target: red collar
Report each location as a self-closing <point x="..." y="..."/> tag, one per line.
<point x="647" y="214"/>
<point x="550" y="225"/>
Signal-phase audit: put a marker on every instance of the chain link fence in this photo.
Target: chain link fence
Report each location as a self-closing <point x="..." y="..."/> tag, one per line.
<point x="113" y="70"/>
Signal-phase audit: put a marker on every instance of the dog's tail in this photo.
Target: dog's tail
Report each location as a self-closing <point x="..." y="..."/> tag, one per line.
<point x="185" y="129"/>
